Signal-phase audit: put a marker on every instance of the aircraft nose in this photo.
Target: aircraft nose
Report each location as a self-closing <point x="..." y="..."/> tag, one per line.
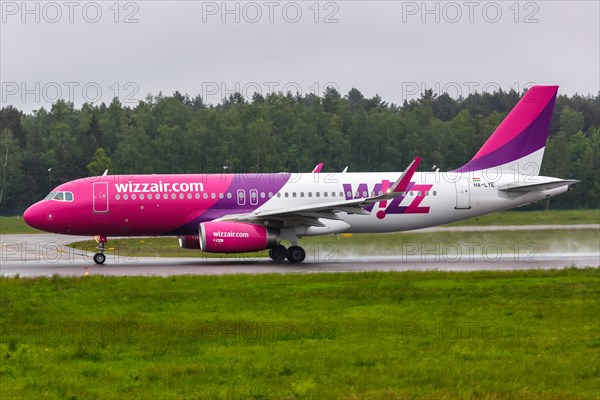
<point x="34" y="217"/>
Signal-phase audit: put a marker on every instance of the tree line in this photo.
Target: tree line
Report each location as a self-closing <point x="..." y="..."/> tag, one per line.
<point x="279" y="132"/>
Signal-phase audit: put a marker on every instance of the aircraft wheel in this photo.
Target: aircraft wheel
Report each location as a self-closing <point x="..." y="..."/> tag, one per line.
<point x="278" y="253"/>
<point x="99" y="258"/>
<point x="296" y="254"/>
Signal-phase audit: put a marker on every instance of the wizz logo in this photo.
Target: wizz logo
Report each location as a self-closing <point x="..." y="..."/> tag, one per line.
<point x="414" y="191"/>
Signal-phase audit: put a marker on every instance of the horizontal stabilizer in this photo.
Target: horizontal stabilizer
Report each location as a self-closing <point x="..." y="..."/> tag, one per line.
<point x="521" y="188"/>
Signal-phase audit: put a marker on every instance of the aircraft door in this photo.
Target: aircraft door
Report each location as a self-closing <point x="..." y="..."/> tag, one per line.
<point x="100" y="197"/>
<point x="463" y="194"/>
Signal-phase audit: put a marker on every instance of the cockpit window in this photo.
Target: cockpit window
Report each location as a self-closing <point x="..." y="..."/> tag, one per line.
<point x="60" y="196"/>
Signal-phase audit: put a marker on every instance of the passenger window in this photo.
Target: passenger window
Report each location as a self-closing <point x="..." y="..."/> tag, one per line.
<point x="133" y="196"/>
<point x="324" y="194"/>
<point x="142" y="196"/>
<point x="117" y="196"/>
<point x="125" y="196"/>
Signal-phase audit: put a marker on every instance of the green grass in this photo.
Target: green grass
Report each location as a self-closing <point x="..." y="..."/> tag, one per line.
<point x="524" y="244"/>
<point x="550" y="217"/>
<point x="545" y="217"/>
<point x="429" y="335"/>
<point x="15" y="224"/>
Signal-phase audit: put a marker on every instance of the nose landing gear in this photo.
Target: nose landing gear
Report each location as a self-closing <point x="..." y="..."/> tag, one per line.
<point x="99" y="257"/>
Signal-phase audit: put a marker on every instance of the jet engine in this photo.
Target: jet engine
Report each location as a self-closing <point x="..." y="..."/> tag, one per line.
<point x="234" y="237"/>
<point x="189" y="242"/>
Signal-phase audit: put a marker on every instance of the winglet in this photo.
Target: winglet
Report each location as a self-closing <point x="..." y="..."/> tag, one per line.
<point x="318" y="168"/>
<point x="402" y="183"/>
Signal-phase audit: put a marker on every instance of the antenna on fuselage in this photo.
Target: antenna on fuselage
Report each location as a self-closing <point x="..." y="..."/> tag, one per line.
<point x="105" y="172"/>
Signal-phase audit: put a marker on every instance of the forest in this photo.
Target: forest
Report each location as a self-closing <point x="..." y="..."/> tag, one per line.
<point x="280" y="132"/>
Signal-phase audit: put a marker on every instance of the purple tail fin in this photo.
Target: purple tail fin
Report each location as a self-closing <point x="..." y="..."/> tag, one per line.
<point x="521" y="138"/>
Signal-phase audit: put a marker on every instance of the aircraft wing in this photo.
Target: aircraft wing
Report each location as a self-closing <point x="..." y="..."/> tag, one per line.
<point x="309" y="214"/>
<point x="519" y="188"/>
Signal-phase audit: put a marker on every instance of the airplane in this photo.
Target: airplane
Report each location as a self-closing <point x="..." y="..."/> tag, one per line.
<point x="235" y="213"/>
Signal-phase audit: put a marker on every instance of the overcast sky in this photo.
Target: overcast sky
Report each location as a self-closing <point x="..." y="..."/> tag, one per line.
<point x="90" y="51"/>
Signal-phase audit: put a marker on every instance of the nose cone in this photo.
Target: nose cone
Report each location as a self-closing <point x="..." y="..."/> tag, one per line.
<point x="35" y="217"/>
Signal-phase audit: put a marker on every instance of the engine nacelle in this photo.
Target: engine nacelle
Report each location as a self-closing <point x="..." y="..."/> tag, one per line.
<point x="189" y="242"/>
<point x="236" y="237"/>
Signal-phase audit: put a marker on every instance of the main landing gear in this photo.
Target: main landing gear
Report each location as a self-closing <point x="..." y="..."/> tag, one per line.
<point x="294" y="254"/>
<point x="99" y="257"/>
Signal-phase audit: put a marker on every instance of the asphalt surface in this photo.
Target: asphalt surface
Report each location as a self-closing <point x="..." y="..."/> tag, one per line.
<point x="31" y="255"/>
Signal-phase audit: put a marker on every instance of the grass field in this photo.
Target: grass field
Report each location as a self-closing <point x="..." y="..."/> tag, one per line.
<point x="524" y="245"/>
<point x="551" y="217"/>
<point x="429" y="335"/>
<point x="15" y="224"/>
<point x="542" y="217"/>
